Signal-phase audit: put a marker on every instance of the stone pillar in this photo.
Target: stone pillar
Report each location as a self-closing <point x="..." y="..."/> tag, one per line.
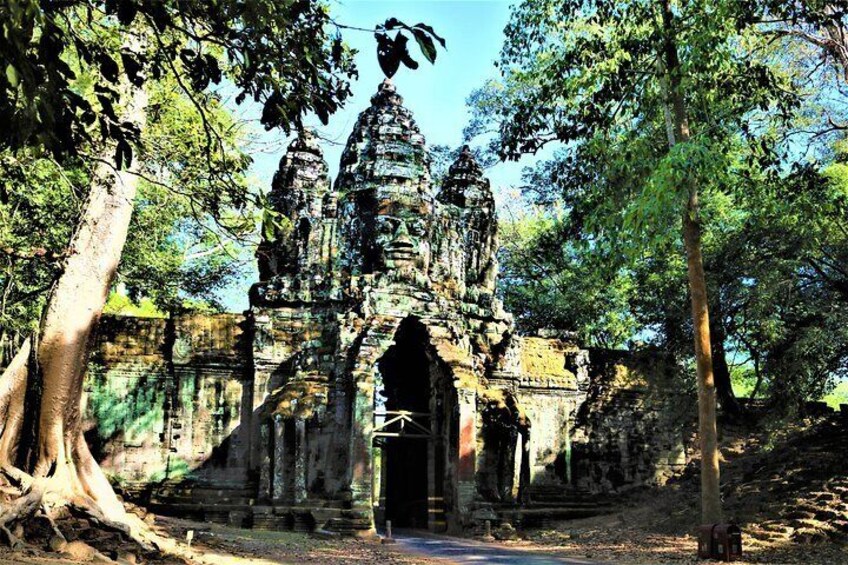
<point x="300" y="454"/>
<point x="378" y="494"/>
<point x="524" y="471"/>
<point x="516" y="467"/>
<point x="256" y="391"/>
<point x="435" y="518"/>
<point x="265" y="479"/>
<point x="466" y="466"/>
<point x="278" y="490"/>
<point x="241" y="457"/>
<point x="361" y="447"/>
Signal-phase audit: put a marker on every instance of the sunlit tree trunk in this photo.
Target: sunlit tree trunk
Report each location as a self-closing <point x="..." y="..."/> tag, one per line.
<point x="64" y="468"/>
<point x="707" y="433"/>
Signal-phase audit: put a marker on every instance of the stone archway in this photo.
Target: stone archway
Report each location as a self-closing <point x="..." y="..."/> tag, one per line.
<point x="412" y="414"/>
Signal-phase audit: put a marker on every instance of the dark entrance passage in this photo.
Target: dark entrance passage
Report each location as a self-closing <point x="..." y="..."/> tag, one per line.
<point x="405" y="432"/>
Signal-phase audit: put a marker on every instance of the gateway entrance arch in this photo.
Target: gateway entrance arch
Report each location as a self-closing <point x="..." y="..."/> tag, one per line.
<point x="413" y="409"/>
<point x="376" y="374"/>
<point x="385" y="380"/>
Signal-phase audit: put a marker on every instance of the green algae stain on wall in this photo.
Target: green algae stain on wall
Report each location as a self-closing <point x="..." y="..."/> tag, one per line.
<point x="125" y="405"/>
<point x="125" y="402"/>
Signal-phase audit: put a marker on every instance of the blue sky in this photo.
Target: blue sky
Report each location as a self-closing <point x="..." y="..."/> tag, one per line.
<point x="436" y="94"/>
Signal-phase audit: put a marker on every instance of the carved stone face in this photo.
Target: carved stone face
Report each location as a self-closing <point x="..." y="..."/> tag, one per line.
<point x="401" y="230"/>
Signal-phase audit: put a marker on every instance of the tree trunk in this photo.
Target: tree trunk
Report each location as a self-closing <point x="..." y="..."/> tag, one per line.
<point x="724" y="386"/>
<point x="679" y="133"/>
<point x="63" y="468"/>
<point x="72" y="314"/>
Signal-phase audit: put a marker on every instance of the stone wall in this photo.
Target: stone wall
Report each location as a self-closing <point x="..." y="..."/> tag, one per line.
<point x="183" y="405"/>
<point x="376" y="375"/>
<point x="629" y="431"/>
<point x="163" y="398"/>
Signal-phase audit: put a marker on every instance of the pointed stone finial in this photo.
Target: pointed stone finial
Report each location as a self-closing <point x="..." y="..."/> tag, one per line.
<point x="466" y="164"/>
<point x="465" y="184"/>
<point x="386" y="94"/>
<point x="307" y="140"/>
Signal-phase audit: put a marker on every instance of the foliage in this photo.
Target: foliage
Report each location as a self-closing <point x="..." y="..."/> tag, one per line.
<point x="67" y="71"/>
<point x="277" y="53"/>
<point x="39" y="204"/>
<point x="121" y="304"/>
<point x="549" y="281"/>
<point x="838" y="396"/>
<point x="193" y="211"/>
<point x="393" y="50"/>
<point x="774" y="249"/>
<point x="592" y="78"/>
<point x="196" y="210"/>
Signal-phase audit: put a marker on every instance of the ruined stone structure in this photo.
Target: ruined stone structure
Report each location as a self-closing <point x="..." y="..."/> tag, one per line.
<point x="376" y="375"/>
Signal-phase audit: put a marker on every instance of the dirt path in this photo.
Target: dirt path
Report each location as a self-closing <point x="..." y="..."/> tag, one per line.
<point x="589" y="542"/>
<point x="220" y="545"/>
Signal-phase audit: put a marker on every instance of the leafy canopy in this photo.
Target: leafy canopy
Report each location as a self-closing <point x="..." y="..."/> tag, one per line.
<point x="277" y="53"/>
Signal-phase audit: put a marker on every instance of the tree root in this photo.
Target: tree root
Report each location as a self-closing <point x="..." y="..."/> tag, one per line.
<point x="25" y="505"/>
<point x="140" y="534"/>
<point x="44" y="500"/>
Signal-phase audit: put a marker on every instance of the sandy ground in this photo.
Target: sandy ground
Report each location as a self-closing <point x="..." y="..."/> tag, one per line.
<point x="606" y="539"/>
<point x="220" y="545"/>
<point x="624" y="538"/>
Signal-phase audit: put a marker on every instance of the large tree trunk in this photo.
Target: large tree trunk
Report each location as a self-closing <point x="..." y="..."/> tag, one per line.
<point x="63" y="472"/>
<point x="72" y="314"/>
<point x="707" y="433"/>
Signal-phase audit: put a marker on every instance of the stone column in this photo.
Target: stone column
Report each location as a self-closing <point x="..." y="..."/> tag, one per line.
<point x="256" y="392"/>
<point x="278" y="491"/>
<point x="265" y="479"/>
<point x="434" y="502"/>
<point x="300" y="454"/>
<point x="378" y="498"/>
<point x="466" y="467"/>
<point x="516" y="467"/>
<point x="524" y="470"/>
<point x="361" y="444"/>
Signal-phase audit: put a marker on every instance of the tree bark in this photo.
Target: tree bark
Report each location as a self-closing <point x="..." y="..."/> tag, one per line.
<point x="707" y="433"/>
<point x="72" y="314"/>
<point x="63" y="467"/>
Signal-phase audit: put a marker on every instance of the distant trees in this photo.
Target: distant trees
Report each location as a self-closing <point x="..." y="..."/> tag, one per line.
<point x="670" y="114"/>
<point x="176" y="250"/>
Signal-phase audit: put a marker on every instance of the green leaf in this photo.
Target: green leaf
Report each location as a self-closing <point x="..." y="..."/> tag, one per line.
<point x="431" y="31"/>
<point x="12" y="75"/>
<point x="428" y="48"/>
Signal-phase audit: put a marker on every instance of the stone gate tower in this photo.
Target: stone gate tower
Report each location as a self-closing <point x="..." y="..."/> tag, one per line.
<point x="375" y="322"/>
<point x="376" y="375"/>
<point x="387" y="381"/>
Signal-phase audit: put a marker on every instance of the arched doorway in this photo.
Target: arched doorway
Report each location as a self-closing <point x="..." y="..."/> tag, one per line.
<point x="409" y="432"/>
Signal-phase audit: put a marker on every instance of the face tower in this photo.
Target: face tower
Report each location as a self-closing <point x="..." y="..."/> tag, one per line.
<point x="381" y="354"/>
<point x="375" y="376"/>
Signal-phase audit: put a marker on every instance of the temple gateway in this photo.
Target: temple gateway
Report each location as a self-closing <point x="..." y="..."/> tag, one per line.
<point x="376" y="375"/>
